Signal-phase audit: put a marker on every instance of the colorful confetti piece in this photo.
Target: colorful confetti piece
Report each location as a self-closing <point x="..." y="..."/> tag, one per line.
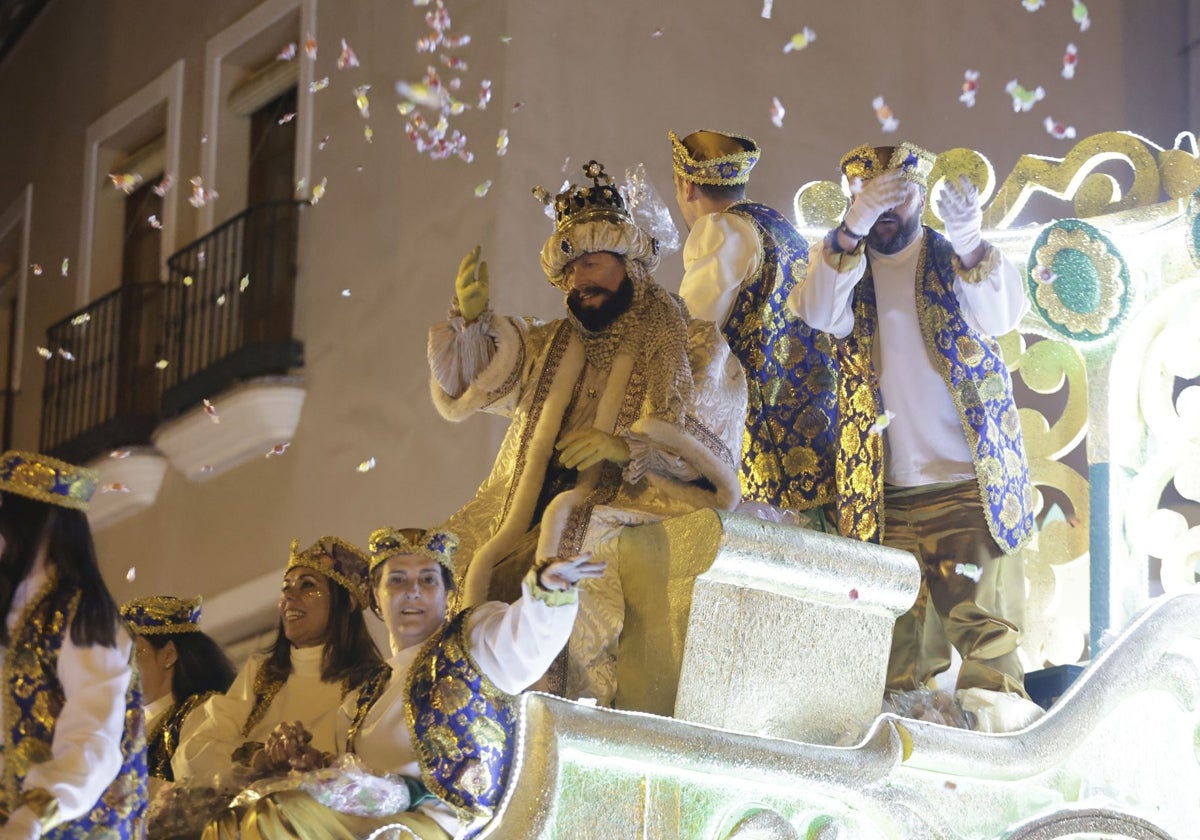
<point x="482" y="189"/>
<point x="115" y="487"/>
<point x="970" y="87"/>
<point x="119" y="454"/>
<point x="853" y="594"/>
<point x="766" y="8"/>
<point x="45" y="352"/>
<point x="318" y="192"/>
<point x="1070" y="59"/>
<point x="777" y="112"/>
<point x="310" y="48"/>
<point x="288" y="52"/>
<point x="1033" y="5"/>
<point x="286" y="118"/>
<point x="347" y="58"/>
<point x="125" y="182"/>
<point x="1080" y="13"/>
<point x="36" y="268"/>
<point x="161" y="364"/>
<point x="345" y="293"/>
<point x="66" y="354"/>
<point x="131" y="575"/>
<point x="502" y="142"/>
<point x="1057" y="130"/>
<point x="360" y="100"/>
<point x="366" y="466"/>
<point x="799" y="41"/>
<point x="322" y="143"/>
<point x="318" y="84"/>
<point x="154" y="222"/>
<point x="1024" y="99"/>
<point x="882" y="422"/>
<point x="200" y="196"/>
<point x="887" y="120"/>
<point x="278" y="449"/>
<point x="80" y="319"/>
<point x="164" y="186"/>
<point x="485" y="94"/>
<point x="969" y="570"/>
<point x="66" y="266"/>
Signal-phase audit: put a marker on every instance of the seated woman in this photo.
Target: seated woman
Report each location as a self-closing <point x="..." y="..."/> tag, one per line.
<point x="181" y="667"/>
<point x="439" y="714"/>
<point x="322" y="652"/>
<point x="74" y="760"/>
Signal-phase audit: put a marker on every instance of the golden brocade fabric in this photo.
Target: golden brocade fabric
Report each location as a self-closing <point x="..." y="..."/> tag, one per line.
<point x="163" y="739"/>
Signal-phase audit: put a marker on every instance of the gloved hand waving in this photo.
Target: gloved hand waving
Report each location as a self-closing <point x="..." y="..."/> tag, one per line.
<point x="958" y="205"/>
<point x="471" y="286"/>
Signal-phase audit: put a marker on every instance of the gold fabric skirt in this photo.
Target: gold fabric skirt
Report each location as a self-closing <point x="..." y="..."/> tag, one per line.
<point x="294" y="815"/>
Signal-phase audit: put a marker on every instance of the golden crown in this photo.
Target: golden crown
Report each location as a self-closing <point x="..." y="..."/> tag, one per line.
<point x="725" y="170"/>
<point x="866" y="162"/>
<point x="47" y="479"/>
<point x="163" y="614"/>
<point x="342" y="562"/>
<point x="435" y="544"/>
<point x="601" y="201"/>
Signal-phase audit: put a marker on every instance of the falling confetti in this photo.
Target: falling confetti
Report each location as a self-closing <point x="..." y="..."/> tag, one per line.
<point x="288" y="52"/>
<point x="45" y="352"/>
<point x="454" y="62"/>
<point x="37" y="269"/>
<point x="799" y="41"/>
<point x="318" y="192"/>
<point x="301" y="185"/>
<point x="482" y="189"/>
<point x="347" y="58"/>
<point x="360" y="99"/>
<point x="119" y="454"/>
<point x="286" y="118"/>
<point x="566" y="164"/>
<point x="1080" y="13"/>
<point x="887" y="120"/>
<point x="969" y="570"/>
<point x="66" y="354"/>
<point x="200" y="196"/>
<point x="517" y="106"/>
<point x="126" y="182"/>
<point x="318" y="84"/>
<point x="422" y="93"/>
<point x="164" y="186"/>
<point x="1057" y="130"/>
<point x="369" y="136"/>
<point x="777" y="112"/>
<point x="766" y="8"/>
<point x="485" y="94"/>
<point x="187" y="280"/>
<point x="502" y="142"/>
<point x="1023" y="98"/>
<point x="161" y="364"/>
<point x="154" y="222"/>
<point x="80" y="319"/>
<point x="657" y="33"/>
<point x="66" y="266"/>
<point x="206" y="469"/>
<point x="131" y="575"/>
<point x="1044" y="274"/>
<point x="221" y="298"/>
<point x="324" y="141"/>
<point x="345" y="293"/>
<point x="366" y="466"/>
<point x="1033" y="5"/>
<point x="970" y="86"/>
<point x="115" y="487"/>
<point x="244" y="283"/>
<point x="1070" y="59"/>
<point x="882" y="422"/>
<point x="278" y="449"/>
<point x="310" y="48"/>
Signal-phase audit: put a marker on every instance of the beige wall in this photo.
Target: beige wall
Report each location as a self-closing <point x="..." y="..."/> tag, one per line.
<point x="595" y="82"/>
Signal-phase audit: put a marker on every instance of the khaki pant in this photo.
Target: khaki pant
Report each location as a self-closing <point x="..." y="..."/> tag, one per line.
<point x="944" y="526"/>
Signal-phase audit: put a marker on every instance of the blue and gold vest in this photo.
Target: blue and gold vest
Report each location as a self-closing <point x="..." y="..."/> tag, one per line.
<point x="33" y="701"/>
<point x="973" y="369"/>
<point x="791" y="453"/>
<point x="462" y="726"/>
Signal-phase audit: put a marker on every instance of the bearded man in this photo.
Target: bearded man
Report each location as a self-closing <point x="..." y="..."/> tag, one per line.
<point x="624" y="412"/>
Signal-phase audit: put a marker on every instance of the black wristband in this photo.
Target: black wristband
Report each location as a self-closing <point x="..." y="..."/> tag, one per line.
<point x="843" y="229"/>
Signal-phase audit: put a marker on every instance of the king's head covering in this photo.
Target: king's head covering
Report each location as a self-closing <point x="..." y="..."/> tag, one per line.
<point x="436" y="544"/>
<point x="342" y="562"/>
<point x="593" y="218"/>
<point x="866" y="162"/>
<point x="163" y="614"/>
<point x="714" y="157"/>
<point x="47" y="479"/>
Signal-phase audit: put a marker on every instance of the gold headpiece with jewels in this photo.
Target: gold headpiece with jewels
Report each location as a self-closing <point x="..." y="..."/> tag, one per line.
<point x="723" y="170"/>
<point x="591" y="219"/>
<point x="47" y="479"/>
<point x="436" y="544"/>
<point x="163" y="614"/>
<point x="866" y="162"/>
<point x="342" y="562"/>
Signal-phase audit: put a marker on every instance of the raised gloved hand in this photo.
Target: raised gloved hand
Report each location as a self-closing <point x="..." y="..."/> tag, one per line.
<point x="880" y="193"/>
<point x="471" y="286"/>
<point x="958" y="205"/>
<point x="587" y="447"/>
<point x="561" y="573"/>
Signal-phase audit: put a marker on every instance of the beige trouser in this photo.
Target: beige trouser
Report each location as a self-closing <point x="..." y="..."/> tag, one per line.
<point x="945" y="527"/>
<point x="294" y="815"/>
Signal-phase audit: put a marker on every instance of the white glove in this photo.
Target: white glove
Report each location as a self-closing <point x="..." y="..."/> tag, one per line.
<point x="958" y="205"/>
<point x="561" y="574"/>
<point x="875" y="196"/>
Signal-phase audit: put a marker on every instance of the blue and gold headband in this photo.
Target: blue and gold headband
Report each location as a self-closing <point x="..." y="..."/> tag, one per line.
<point x="342" y="562"/>
<point x="163" y="614"/>
<point x="436" y="544"/>
<point x="866" y="162"/>
<point x="726" y="170"/>
<point x="47" y="479"/>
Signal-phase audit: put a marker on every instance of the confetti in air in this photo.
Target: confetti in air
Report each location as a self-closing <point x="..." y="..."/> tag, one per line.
<point x="318" y="84"/>
<point x="1057" y="130"/>
<point x="286" y="118"/>
<point x="318" y="192"/>
<point x="288" y="52"/>
<point x="766" y="8"/>
<point x="66" y="266"/>
<point x="164" y="186"/>
<point x="502" y="142"/>
<point x="657" y="33"/>
<point x="887" y="120"/>
<point x="310" y="48"/>
<point x="1033" y="5"/>
<point x="211" y="411"/>
<point x="369" y="136"/>
<point x="882" y="422"/>
<point x="482" y="189"/>
<point x="80" y="319"/>
<point x="221" y="298"/>
<point x="517" y="106"/>
<point x="161" y="364"/>
<point x="366" y="466"/>
<point x="278" y="449"/>
<point x="1044" y="274"/>
<point x="777" y="112"/>
<point x="345" y="293"/>
<point x="800" y="40"/>
<point x="1080" y="13"/>
<point x="200" y="196"/>
<point x="969" y="570"/>
<point x="485" y="94"/>
<point x="206" y="469"/>
<point x="36" y="268"/>
<point x="115" y="487"/>
<point x="1024" y="99"/>
<point x="360" y="100"/>
<point x="347" y="58"/>
<point x="126" y="182"/>
<point x="45" y="352"/>
<point x="1070" y="59"/>
<point x="154" y="222"/>
<point x="67" y="355"/>
<point x="970" y="86"/>
<point x="434" y="135"/>
<point x="131" y="575"/>
<point x="323" y="143"/>
<point x="119" y="454"/>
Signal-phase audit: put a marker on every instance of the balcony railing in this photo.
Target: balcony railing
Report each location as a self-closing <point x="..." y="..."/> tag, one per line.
<point x="230" y="305"/>
<point x="147" y="352"/>
<point x="102" y="389"/>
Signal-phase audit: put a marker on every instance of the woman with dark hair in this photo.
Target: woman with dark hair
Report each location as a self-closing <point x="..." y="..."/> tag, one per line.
<point x="180" y="666"/>
<point x="322" y="651"/>
<point x="429" y="737"/>
<point x="74" y="753"/>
